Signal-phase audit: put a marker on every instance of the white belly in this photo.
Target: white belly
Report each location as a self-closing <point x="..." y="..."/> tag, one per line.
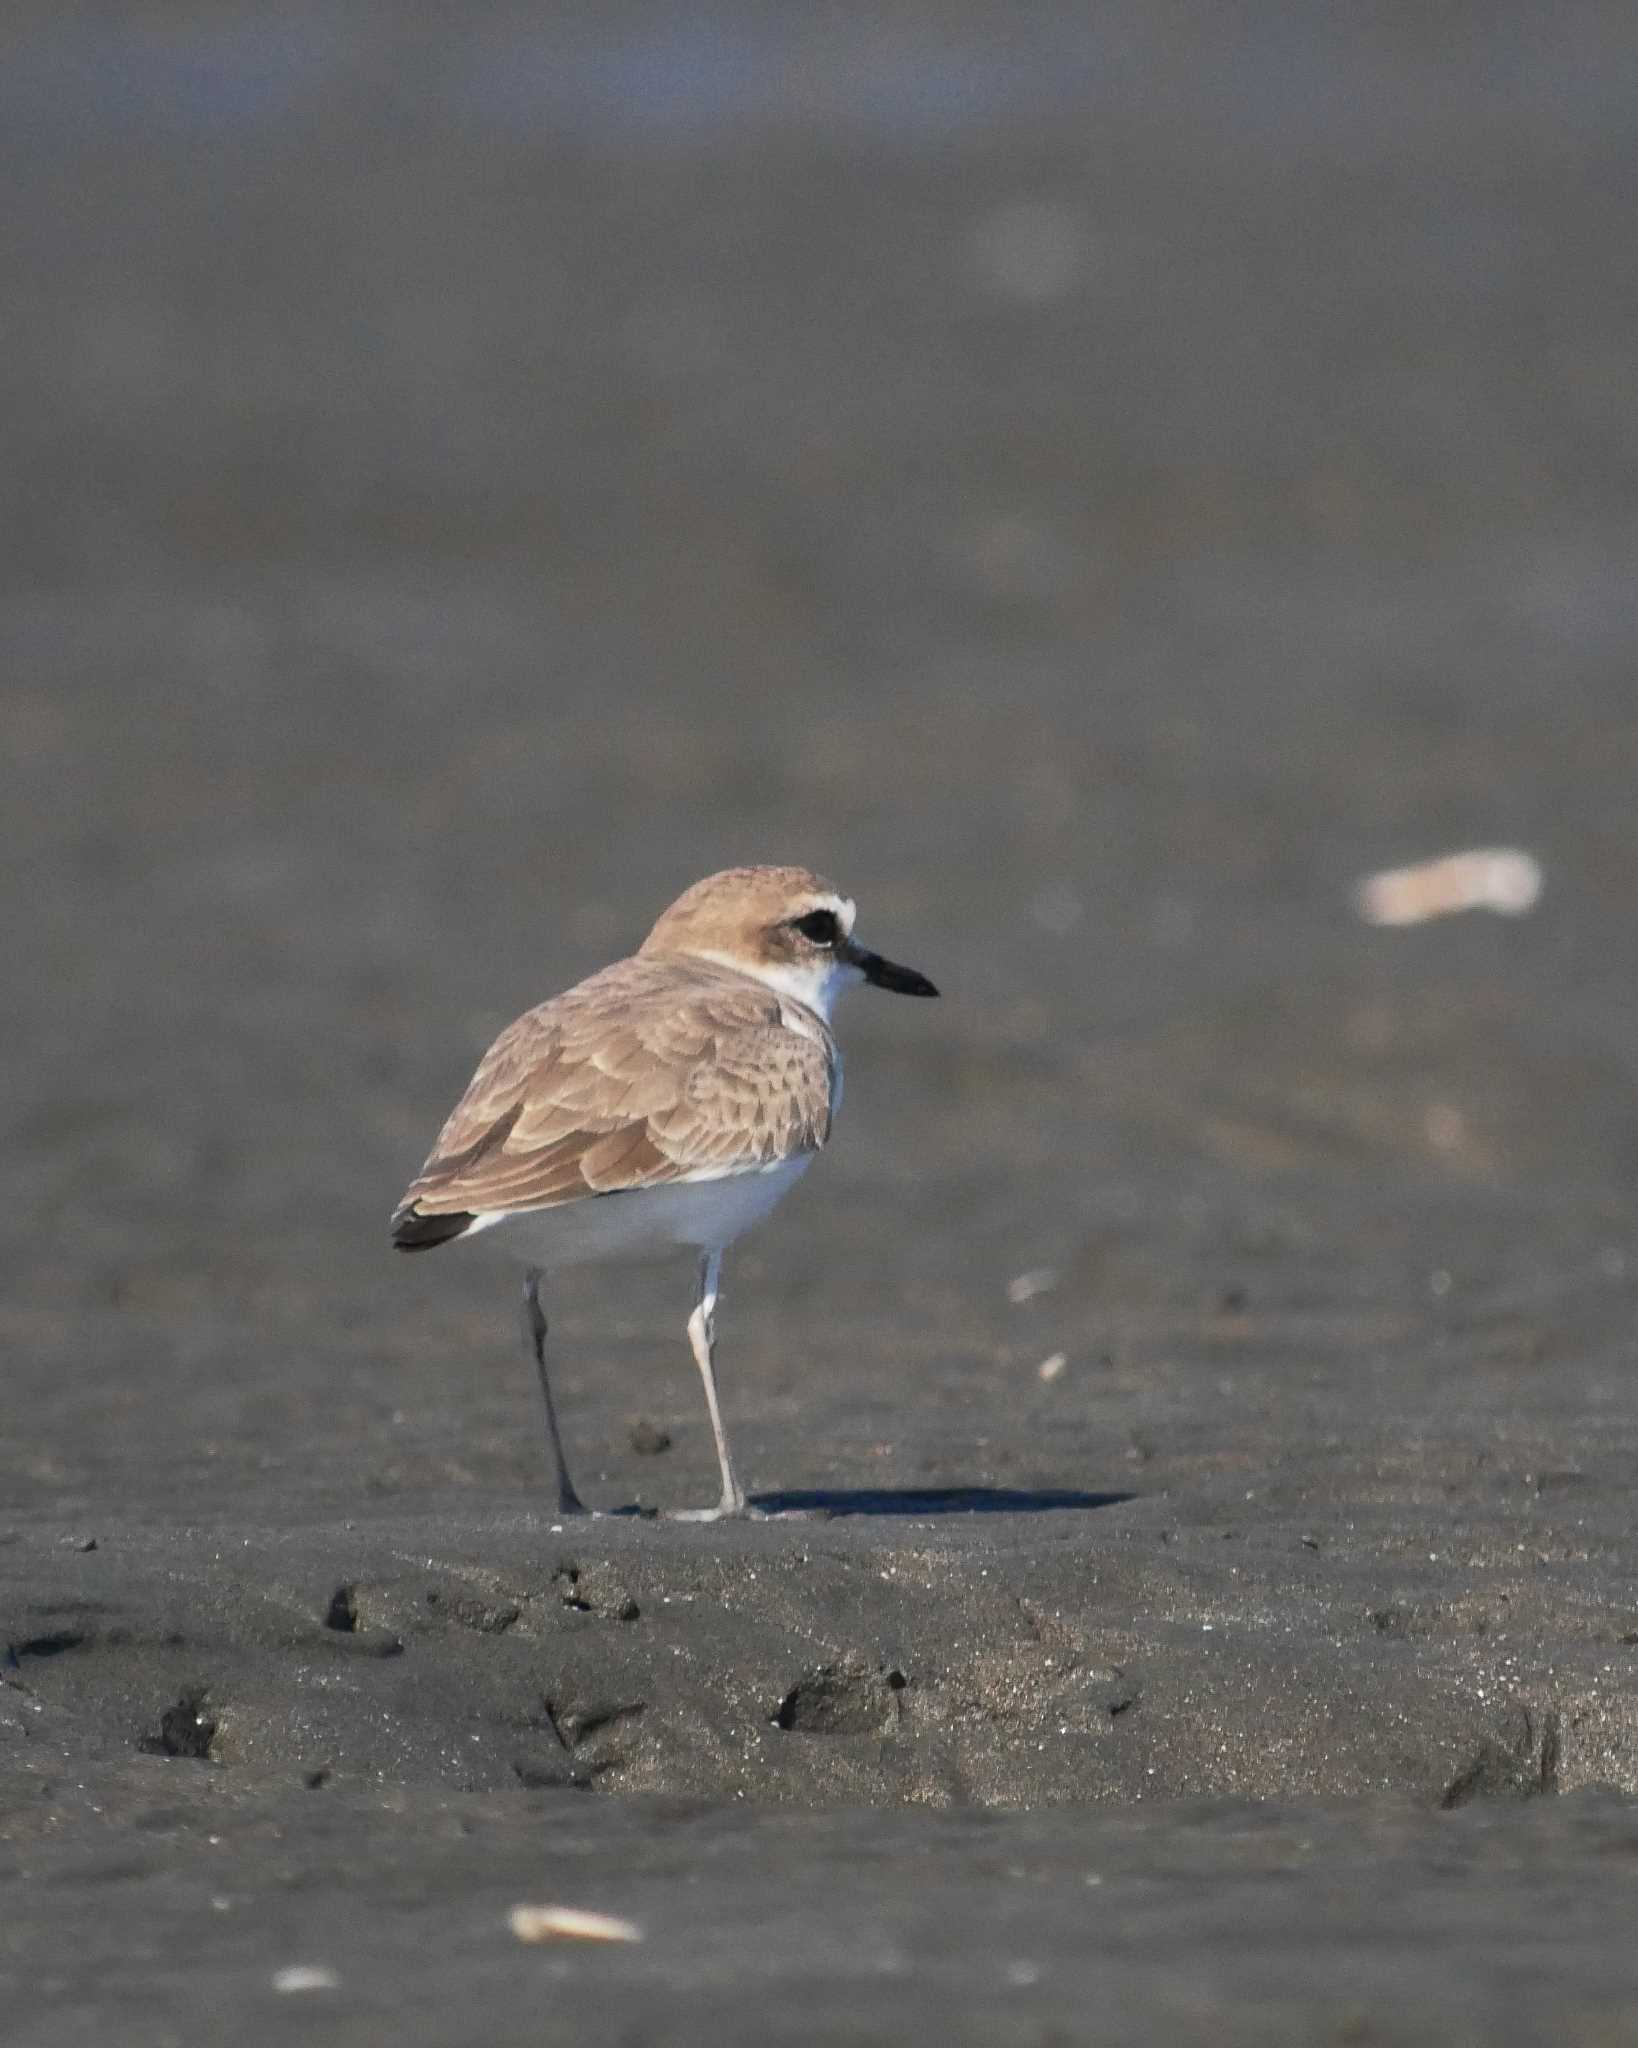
<point x="707" y="1214"/>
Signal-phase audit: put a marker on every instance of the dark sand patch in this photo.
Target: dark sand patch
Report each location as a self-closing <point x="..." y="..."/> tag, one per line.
<point x="1098" y="489"/>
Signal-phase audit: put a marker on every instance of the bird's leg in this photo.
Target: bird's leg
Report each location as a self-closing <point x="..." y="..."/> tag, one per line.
<point x="702" y="1332"/>
<point x="534" y="1329"/>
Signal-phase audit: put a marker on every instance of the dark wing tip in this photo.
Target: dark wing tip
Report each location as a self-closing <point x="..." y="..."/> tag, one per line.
<point x="413" y="1232"/>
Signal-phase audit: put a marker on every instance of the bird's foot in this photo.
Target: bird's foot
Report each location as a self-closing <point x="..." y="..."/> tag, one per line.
<point x="724" y="1511"/>
<point x="741" y="1511"/>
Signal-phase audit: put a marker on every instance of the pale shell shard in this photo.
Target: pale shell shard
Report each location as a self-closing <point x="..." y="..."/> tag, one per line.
<point x="569" y="1923"/>
<point x="1500" y="878"/>
<point x="306" y="1977"/>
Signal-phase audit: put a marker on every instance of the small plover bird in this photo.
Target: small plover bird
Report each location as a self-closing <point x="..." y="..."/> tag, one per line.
<point x="669" y="1100"/>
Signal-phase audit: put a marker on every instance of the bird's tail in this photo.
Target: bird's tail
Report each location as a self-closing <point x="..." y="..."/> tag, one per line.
<point x="413" y="1232"/>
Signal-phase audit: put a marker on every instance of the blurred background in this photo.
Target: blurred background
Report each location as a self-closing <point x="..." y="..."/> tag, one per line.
<point x="1095" y="480"/>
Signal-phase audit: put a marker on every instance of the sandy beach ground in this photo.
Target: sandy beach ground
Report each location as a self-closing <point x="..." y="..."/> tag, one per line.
<point x="1097" y="483"/>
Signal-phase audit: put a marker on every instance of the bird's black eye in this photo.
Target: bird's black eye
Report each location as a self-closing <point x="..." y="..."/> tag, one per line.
<point x="819" y="927"/>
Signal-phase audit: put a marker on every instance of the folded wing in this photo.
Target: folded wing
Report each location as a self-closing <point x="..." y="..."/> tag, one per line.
<point x="642" y="1075"/>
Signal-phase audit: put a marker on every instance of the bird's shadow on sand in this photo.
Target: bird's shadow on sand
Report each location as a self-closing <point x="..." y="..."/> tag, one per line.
<point x="936" y="1500"/>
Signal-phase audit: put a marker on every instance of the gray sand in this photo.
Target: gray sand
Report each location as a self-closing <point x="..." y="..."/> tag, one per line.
<point x="1097" y="484"/>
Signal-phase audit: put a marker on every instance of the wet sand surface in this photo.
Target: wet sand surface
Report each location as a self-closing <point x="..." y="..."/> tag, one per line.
<point x="1096" y="491"/>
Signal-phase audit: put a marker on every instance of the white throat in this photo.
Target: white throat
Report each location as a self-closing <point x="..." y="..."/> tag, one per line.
<point x="817" y="982"/>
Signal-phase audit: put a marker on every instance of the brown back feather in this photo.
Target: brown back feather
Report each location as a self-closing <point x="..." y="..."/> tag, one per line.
<point x="646" y="1073"/>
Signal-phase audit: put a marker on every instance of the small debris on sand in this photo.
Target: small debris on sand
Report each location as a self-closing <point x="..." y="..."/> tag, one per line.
<point x="305" y="1977"/>
<point x="1025" y="1287"/>
<point x="188" y="1728"/>
<point x="1499" y="878"/>
<point x="1052" y="1368"/>
<point x="569" y="1923"/>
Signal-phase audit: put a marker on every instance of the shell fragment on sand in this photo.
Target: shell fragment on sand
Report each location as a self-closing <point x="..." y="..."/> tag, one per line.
<point x="306" y="1977"/>
<point x="1500" y="878"/>
<point x="1025" y="1286"/>
<point x="569" y="1923"/>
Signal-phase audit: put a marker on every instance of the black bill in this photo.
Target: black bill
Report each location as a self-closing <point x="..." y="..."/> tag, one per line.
<point x="880" y="973"/>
